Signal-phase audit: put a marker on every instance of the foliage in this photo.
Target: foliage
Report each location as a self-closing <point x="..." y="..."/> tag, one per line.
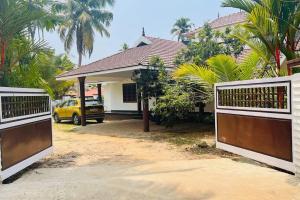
<point x="147" y="80"/>
<point x="220" y="68"/>
<point x="15" y="17"/>
<point x="207" y="44"/>
<point x="81" y="19"/>
<point x="181" y="27"/>
<point x="34" y="65"/>
<point x="177" y="98"/>
<point x="125" y="47"/>
<point x="174" y="105"/>
<point x="47" y="20"/>
<point x="275" y="25"/>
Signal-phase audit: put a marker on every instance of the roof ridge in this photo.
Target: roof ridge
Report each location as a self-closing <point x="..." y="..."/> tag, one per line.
<point x="214" y="20"/>
<point x="163" y="39"/>
<point x="112" y="55"/>
<point x="229" y="15"/>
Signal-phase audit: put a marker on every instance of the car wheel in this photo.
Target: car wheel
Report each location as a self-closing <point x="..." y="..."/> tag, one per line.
<point x="76" y="119"/>
<point x="56" y="118"/>
<point x="100" y="120"/>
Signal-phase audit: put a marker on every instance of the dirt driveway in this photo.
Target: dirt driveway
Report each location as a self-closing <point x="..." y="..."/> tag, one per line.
<point x="115" y="160"/>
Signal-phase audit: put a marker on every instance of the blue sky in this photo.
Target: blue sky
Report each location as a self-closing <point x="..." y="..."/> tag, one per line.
<point x="157" y="16"/>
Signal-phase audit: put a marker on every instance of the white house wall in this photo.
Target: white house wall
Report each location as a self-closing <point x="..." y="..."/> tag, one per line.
<point x="113" y="98"/>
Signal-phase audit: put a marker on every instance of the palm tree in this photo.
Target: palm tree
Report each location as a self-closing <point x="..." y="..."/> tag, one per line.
<point x="15" y="17"/>
<point x="275" y="23"/>
<point x="181" y="27"/>
<point x="220" y="68"/>
<point x="81" y="19"/>
<point x="47" y="20"/>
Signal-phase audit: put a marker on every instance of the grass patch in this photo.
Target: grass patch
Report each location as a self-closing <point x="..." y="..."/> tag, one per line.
<point x="185" y="134"/>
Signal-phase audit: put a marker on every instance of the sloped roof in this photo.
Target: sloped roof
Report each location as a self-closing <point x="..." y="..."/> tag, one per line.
<point x="225" y="21"/>
<point x="91" y="92"/>
<point x="229" y="20"/>
<point x="140" y="55"/>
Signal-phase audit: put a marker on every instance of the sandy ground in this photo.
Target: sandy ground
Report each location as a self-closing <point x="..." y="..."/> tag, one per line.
<point x="115" y="160"/>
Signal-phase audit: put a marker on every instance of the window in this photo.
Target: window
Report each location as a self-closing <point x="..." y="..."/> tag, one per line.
<point x="72" y="103"/>
<point x="64" y="104"/>
<point x="129" y="93"/>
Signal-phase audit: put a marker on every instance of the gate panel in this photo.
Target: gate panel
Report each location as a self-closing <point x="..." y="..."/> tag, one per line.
<point x="254" y="119"/>
<point x="272" y="137"/>
<point x="24" y="141"/>
<point x="25" y="128"/>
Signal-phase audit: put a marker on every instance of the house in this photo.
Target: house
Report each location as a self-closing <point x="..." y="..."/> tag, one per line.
<point x="221" y="23"/>
<point x="92" y="93"/>
<point x="113" y="73"/>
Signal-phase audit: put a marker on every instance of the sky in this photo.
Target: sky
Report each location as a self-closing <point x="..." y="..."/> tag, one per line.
<point x="157" y="16"/>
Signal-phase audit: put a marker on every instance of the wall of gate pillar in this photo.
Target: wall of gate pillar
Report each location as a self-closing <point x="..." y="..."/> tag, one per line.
<point x="296" y="121"/>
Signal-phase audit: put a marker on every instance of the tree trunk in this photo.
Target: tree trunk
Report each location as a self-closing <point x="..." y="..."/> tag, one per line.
<point x="2" y="56"/>
<point x="79" y="60"/>
<point x="280" y="90"/>
<point x="146" y="114"/>
<point x="277" y="53"/>
<point x="2" y="63"/>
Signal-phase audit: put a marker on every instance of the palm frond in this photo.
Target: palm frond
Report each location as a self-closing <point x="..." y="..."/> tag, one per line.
<point x="245" y="5"/>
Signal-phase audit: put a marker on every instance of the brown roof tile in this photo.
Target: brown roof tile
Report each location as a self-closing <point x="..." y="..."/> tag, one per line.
<point x="165" y="49"/>
<point x="224" y="21"/>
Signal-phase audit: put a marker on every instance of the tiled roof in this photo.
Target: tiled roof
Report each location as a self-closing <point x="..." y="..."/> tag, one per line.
<point x="225" y="21"/>
<point x="228" y="20"/>
<point x="165" y="49"/>
<point x="91" y="92"/>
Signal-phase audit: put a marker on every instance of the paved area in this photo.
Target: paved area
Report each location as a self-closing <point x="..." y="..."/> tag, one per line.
<point x="115" y="160"/>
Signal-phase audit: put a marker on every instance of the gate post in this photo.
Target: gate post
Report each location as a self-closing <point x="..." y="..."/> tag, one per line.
<point x="296" y="122"/>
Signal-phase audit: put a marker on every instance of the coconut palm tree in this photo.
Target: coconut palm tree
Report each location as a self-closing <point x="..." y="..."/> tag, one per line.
<point x="220" y="68"/>
<point x="275" y="23"/>
<point x="181" y="27"/>
<point x="47" y="20"/>
<point x="80" y="19"/>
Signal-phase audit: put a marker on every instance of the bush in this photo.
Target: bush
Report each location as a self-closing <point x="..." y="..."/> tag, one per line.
<point x="174" y="105"/>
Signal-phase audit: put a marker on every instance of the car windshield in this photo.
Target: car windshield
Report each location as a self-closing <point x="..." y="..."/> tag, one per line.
<point x="92" y="103"/>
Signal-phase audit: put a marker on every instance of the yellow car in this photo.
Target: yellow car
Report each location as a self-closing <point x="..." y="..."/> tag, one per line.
<point x="70" y="110"/>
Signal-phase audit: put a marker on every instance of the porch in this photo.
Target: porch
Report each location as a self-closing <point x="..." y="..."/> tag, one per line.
<point x="120" y="99"/>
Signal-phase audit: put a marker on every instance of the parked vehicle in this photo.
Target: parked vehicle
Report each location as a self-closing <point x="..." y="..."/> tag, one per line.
<point x="70" y="110"/>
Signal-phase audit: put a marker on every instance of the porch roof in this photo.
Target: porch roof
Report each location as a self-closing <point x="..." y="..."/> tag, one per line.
<point x="139" y="55"/>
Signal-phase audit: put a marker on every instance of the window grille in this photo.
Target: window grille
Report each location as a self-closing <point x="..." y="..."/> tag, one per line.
<point x="20" y="106"/>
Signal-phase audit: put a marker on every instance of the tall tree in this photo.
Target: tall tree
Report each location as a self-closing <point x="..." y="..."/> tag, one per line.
<point x="147" y="81"/>
<point x="47" y="19"/>
<point x="207" y="45"/>
<point x="181" y="27"/>
<point x="15" y="17"/>
<point x="275" y="23"/>
<point x="81" y="19"/>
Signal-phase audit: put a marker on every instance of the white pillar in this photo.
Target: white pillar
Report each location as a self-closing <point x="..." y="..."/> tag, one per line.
<point x="296" y="122"/>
